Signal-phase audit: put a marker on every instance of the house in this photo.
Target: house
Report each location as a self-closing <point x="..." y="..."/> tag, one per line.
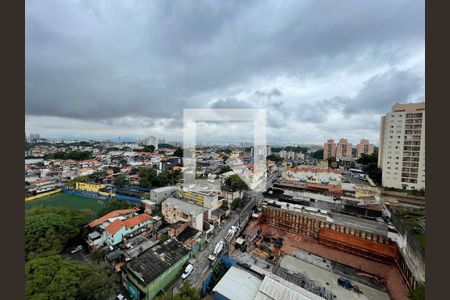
<point x="175" y="210"/>
<point x="110" y="229"/>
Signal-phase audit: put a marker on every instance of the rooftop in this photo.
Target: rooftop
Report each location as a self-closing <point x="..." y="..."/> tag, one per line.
<point x="164" y="189"/>
<point x="187" y="234"/>
<point x="117" y="224"/>
<point x="150" y="264"/>
<point x="234" y="278"/>
<point x="185" y="207"/>
<point x="112" y="214"/>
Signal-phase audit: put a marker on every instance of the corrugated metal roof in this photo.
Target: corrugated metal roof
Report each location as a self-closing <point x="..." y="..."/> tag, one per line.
<point x="274" y="290"/>
<point x="238" y="284"/>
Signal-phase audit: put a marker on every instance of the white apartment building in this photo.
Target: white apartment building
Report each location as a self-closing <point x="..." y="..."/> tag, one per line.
<point x="402" y="147"/>
<point x="149" y="141"/>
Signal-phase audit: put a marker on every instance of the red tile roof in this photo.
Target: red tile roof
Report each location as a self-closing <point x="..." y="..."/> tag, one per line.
<point x="111" y="215"/>
<point x="129" y="223"/>
<point x="114" y="226"/>
<point x="136" y="220"/>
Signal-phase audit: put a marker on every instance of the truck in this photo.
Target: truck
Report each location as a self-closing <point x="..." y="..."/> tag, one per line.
<point x="212" y="258"/>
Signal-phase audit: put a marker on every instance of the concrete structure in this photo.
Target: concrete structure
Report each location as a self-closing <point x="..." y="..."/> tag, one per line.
<point x="402" y="147"/>
<point x="329" y="149"/>
<point x="153" y="270"/>
<point x="343" y="149"/>
<point x="160" y="194"/>
<point x="175" y="210"/>
<point x="208" y="200"/>
<point x="150" y="141"/>
<point x="364" y="147"/>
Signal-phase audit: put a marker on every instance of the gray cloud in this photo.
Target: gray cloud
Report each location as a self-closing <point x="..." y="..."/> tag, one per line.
<point x="102" y="60"/>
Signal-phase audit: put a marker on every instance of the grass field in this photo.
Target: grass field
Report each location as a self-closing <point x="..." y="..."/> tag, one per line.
<point x="62" y="199"/>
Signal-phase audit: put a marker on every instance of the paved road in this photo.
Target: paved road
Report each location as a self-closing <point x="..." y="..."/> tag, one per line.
<point x="202" y="265"/>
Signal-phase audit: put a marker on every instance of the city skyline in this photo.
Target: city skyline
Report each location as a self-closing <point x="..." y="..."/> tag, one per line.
<point x="103" y="70"/>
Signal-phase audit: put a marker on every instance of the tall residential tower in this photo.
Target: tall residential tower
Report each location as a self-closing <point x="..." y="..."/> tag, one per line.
<point x="402" y="147"/>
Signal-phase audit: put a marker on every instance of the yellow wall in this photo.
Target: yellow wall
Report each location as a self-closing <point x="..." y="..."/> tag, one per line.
<point x="90" y="187"/>
<point x="42" y="195"/>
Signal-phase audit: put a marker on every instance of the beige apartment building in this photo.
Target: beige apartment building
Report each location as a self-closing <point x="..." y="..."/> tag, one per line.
<point x="402" y="147"/>
<point x="343" y="149"/>
<point x="329" y="149"/>
<point x="364" y="147"/>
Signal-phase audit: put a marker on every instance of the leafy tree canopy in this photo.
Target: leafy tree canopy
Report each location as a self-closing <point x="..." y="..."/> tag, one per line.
<point x="54" y="277"/>
<point x="235" y="183"/>
<point x="114" y="204"/>
<point x="49" y="229"/>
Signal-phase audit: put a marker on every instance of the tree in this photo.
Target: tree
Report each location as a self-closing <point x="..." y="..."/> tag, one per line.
<point x="147" y="176"/>
<point x="237" y="203"/>
<point x="54" y="277"/>
<point x="120" y="181"/>
<point x="318" y="154"/>
<point x="274" y="157"/>
<point x="49" y="229"/>
<point x="368" y="159"/>
<point x="178" y="152"/>
<point x="187" y="292"/>
<point x="418" y="293"/>
<point x="224" y="169"/>
<point x="225" y="206"/>
<point x="115" y="204"/>
<point x="235" y="183"/>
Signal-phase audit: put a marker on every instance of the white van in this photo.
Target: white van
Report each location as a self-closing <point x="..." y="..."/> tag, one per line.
<point x="187" y="271"/>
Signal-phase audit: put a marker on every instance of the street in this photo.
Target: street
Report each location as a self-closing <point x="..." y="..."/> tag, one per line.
<point x="202" y="264"/>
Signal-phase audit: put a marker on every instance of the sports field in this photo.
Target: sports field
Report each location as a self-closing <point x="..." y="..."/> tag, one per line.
<point x="62" y="199"/>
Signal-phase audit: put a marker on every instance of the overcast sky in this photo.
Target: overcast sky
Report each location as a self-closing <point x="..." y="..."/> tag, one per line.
<point x="322" y="69"/>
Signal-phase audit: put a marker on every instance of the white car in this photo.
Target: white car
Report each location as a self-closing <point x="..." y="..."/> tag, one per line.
<point x="187" y="271"/>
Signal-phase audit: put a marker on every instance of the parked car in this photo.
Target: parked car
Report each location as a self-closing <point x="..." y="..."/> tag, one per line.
<point x="77" y="249"/>
<point x="187" y="271"/>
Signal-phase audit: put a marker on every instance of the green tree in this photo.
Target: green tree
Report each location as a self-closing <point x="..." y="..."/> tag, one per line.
<point x="49" y="229"/>
<point x="187" y="292"/>
<point x="54" y="277"/>
<point x="274" y="157"/>
<point x="418" y="293"/>
<point x="114" y="204"/>
<point x="225" y="206"/>
<point x="120" y="180"/>
<point x="237" y="203"/>
<point x="178" y="152"/>
<point x="224" y="169"/>
<point x="318" y="154"/>
<point x="147" y="176"/>
<point x="235" y="183"/>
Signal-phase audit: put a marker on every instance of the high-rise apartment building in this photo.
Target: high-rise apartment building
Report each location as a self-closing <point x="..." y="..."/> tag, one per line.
<point x="343" y="149"/>
<point x="150" y="141"/>
<point x="402" y="147"/>
<point x="364" y="147"/>
<point x="329" y="149"/>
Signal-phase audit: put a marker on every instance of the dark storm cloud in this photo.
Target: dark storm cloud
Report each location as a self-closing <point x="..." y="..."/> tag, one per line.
<point x="383" y="90"/>
<point x="96" y="60"/>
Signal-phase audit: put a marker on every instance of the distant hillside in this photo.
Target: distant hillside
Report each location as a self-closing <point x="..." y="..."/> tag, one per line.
<point x="166" y="146"/>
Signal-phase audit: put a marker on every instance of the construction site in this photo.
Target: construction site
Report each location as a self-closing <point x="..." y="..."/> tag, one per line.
<point x="337" y="247"/>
